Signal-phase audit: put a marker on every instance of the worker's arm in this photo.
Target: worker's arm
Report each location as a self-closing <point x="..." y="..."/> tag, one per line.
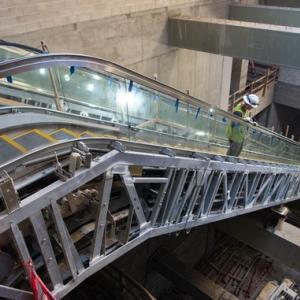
<point x="238" y="113"/>
<point x="236" y="124"/>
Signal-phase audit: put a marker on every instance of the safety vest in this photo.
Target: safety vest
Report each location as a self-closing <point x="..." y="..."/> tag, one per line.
<point x="236" y="131"/>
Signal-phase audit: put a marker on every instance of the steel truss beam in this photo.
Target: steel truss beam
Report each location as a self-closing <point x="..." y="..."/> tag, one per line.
<point x="192" y="192"/>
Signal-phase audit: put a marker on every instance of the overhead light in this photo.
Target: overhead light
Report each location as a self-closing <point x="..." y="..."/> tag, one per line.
<point x="67" y="77"/>
<point x="90" y="87"/>
<point x="96" y="77"/>
<point x="43" y="71"/>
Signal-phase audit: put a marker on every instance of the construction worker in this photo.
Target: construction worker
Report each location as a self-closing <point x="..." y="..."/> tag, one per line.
<point x="235" y="130"/>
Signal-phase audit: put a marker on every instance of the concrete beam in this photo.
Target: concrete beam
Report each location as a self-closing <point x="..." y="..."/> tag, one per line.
<point x="265" y="14"/>
<point x="284" y="3"/>
<point x="282" y="245"/>
<point x="266" y="43"/>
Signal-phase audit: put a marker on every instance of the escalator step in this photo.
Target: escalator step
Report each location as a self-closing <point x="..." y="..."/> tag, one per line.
<point x="9" y="149"/>
<point x="63" y="134"/>
<point x="34" y="139"/>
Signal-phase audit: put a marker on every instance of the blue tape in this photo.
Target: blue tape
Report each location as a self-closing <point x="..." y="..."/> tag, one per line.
<point x="177" y="105"/>
<point x="9" y="79"/>
<point x="198" y="112"/>
<point x="72" y="70"/>
<point x="130" y="86"/>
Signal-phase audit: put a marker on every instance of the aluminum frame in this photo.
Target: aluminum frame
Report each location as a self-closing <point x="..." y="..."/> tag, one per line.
<point x="190" y="192"/>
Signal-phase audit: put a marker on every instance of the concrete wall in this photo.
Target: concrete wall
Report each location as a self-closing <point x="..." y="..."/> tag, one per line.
<point x="132" y="33"/>
<point x="289" y="75"/>
<point x="239" y="74"/>
<point x="206" y="76"/>
<point x="288" y="95"/>
<point x="288" y="87"/>
<point x="250" y="2"/>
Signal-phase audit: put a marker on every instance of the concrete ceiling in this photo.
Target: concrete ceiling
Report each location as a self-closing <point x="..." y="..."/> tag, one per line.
<point x="265" y="14"/>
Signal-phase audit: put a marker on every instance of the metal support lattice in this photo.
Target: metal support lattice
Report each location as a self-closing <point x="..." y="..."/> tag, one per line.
<point x="191" y="192"/>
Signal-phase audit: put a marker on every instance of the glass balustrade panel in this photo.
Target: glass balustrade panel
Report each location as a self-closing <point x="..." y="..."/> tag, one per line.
<point x="92" y="94"/>
<point x="8" y="52"/>
<point x="32" y="88"/>
<point x="145" y="115"/>
<point x="199" y="126"/>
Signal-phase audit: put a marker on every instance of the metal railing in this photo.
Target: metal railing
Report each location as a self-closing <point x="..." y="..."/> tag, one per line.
<point x="259" y="85"/>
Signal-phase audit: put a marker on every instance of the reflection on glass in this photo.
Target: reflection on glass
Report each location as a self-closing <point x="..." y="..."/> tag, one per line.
<point x="7" y="52"/>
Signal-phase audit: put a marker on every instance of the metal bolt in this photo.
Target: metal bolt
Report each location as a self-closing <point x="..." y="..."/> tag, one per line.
<point x="49" y="260"/>
<point x="43" y="241"/>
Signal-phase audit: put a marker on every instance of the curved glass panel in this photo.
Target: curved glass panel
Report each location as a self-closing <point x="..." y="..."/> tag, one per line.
<point x="149" y="111"/>
<point x="9" y="52"/>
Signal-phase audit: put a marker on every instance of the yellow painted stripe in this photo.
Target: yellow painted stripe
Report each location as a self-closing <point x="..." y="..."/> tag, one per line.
<point x="45" y="135"/>
<point x="22" y="134"/>
<point x="14" y="144"/>
<point x="89" y="133"/>
<point x="67" y="131"/>
<point x="40" y="133"/>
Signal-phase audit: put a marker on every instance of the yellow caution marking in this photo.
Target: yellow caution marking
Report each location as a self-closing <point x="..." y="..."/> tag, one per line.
<point x="14" y="144"/>
<point x="45" y="135"/>
<point x="67" y="131"/>
<point x="40" y="133"/>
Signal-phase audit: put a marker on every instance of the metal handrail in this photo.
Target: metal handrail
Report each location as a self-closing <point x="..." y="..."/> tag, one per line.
<point x="20" y="65"/>
<point x="21" y="46"/>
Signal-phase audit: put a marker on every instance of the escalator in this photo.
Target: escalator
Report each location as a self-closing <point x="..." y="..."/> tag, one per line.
<point x="145" y="110"/>
<point x="96" y="159"/>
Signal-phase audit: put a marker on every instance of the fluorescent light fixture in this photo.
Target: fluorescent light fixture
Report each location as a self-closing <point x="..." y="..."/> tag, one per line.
<point x="43" y="71"/>
<point x="90" y="87"/>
